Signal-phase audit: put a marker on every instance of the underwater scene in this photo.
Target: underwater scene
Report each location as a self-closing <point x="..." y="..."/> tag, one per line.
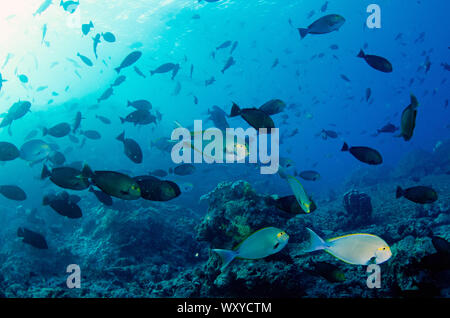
<point x="224" y="149"/>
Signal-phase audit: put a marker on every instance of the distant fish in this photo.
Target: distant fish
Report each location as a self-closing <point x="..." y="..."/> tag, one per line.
<point x="119" y="80"/>
<point x="377" y="62"/>
<point x="96" y="40"/>
<point x="103" y="119"/>
<point x="129" y="60"/>
<point x="345" y="78"/>
<point x="224" y="45"/>
<point x="324" y="7"/>
<point x="326" y="24"/>
<point x="368" y="93"/>
<point x="141" y="104"/>
<point x="419" y="194"/>
<point x="109" y="37"/>
<point x="388" y="128"/>
<point x="210" y="81"/>
<point x="364" y="154"/>
<point x="44" y="32"/>
<point x="230" y="62"/>
<point x="13" y="192"/>
<point x="85" y="59"/>
<point x="1" y="81"/>
<point x="85" y="28"/>
<point x="69" y="6"/>
<point x="164" y="68"/>
<point x="408" y="120"/>
<point x="106" y="94"/>
<point x="235" y="44"/>
<point x="57" y="131"/>
<point x="32" y="238"/>
<point x="91" y="134"/>
<point x="23" y="78"/>
<point x="41" y="88"/>
<point x="139" y="72"/>
<point x="177" y="89"/>
<point x="44" y="6"/>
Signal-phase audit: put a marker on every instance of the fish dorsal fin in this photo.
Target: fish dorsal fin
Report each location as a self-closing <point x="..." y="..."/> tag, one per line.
<point x="347" y="235"/>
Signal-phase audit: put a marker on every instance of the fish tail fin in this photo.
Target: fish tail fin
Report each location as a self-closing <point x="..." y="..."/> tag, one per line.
<point x="44" y="132"/>
<point x="316" y="243"/>
<point x="91" y="189"/>
<point x="361" y="54"/>
<point x="414" y="101"/>
<point x="227" y="256"/>
<point x="87" y="172"/>
<point x="121" y="137"/>
<point x="45" y="172"/>
<point x="235" y="110"/>
<point x="122" y="120"/>
<point x="344" y="147"/>
<point x="303" y="32"/>
<point x="91" y="24"/>
<point x="151" y="73"/>
<point x="117" y="69"/>
<point x="20" y="232"/>
<point x="399" y="193"/>
<point x="128" y="103"/>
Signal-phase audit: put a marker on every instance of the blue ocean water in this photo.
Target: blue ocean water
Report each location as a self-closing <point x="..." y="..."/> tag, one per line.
<point x="271" y="62"/>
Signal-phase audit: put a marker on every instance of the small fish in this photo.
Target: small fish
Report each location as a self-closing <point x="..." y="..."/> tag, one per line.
<point x="131" y="148"/>
<point x="44" y="6"/>
<point x="103" y="119"/>
<point x="96" y="40"/>
<point x="235" y="44"/>
<point x="106" y="94"/>
<point x="192" y="70"/>
<point x="69" y="6"/>
<point x="364" y="154"/>
<point x="210" y="81"/>
<point x="326" y="24"/>
<point x="223" y="45"/>
<point x="345" y="78"/>
<point x="254" y="117"/>
<point x="85" y="28"/>
<point x="129" y="60"/>
<point x="408" y="120"/>
<point x="119" y="80"/>
<point x="230" y="62"/>
<point x="260" y="244"/>
<point x="32" y="238"/>
<point x="85" y="59"/>
<point x="91" y="134"/>
<point x="377" y="62"/>
<point x="310" y="175"/>
<point x="13" y="192"/>
<point x="139" y="72"/>
<point x="164" y="68"/>
<point x="419" y="194"/>
<point x="368" y="93"/>
<point x="109" y="37"/>
<point x="23" y="78"/>
<point x="44" y="32"/>
<point x="141" y="104"/>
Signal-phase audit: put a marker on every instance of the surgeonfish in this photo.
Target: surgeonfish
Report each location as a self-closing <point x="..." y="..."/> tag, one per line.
<point x="355" y="249"/>
<point x="262" y="243"/>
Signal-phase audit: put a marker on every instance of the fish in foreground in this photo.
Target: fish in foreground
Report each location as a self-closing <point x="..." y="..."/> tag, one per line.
<point x="408" y="121"/>
<point x="154" y="189"/>
<point x="85" y="59"/>
<point x="32" y="238"/>
<point x="355" y="249"/>
<point x="326" y="24"/>
<point x="13" y="192"/>
<point x="35" y="150"/>
<point x="129" y="60"/>
<point x="262" y="243"/>
<point x="67" y="177"/>
<point x="364" y="154"/>
<point x="116" y="184"/>
<point x="377" y="62"/>
<point x="419" y="194"/>
<point x="254" y="117"/>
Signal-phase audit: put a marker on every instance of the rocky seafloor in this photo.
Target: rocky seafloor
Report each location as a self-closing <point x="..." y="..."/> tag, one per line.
<point x="163" y="250"/>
